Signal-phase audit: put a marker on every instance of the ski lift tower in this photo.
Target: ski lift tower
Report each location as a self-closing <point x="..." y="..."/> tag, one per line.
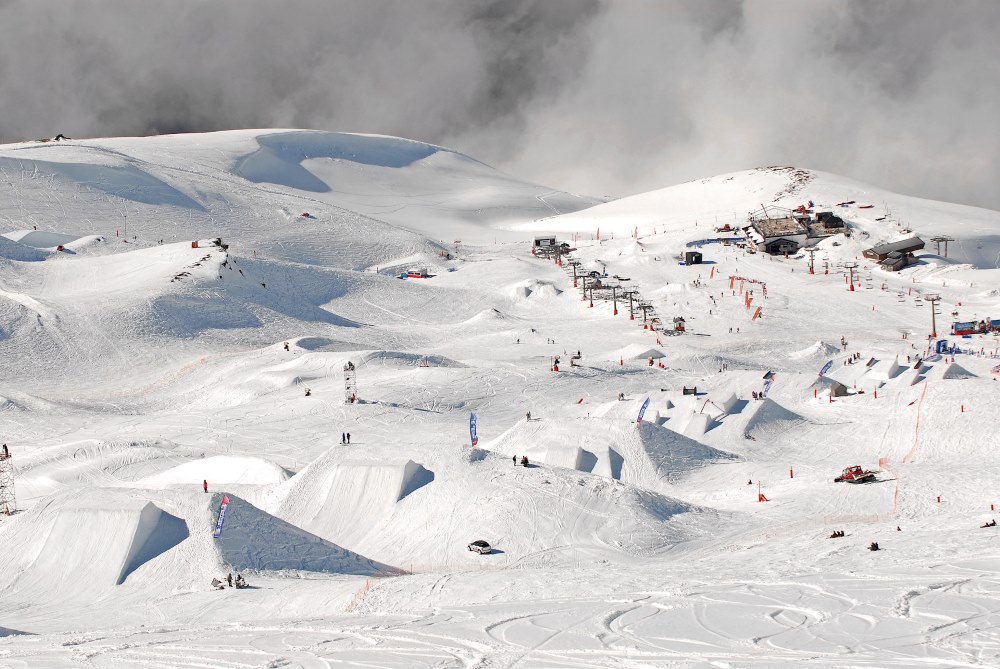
<point x="350" y="383"/>
<point x="933" y="299"/>
<point x="850" y="267"/>
<point x="8" y="503"/>
<point x="938" y="240"/>
<point x="812" y="253"/>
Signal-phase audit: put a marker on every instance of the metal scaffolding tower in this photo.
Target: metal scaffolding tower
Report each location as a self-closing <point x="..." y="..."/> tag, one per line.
<point x="350" y="383"/>
<point x="8" y="502"/>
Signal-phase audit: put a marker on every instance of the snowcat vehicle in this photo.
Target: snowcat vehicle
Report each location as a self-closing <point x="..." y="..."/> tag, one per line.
<point x="855" y="474"/>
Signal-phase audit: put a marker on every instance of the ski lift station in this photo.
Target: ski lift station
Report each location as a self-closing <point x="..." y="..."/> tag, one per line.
<point x="777" y="230"/>
<point x="896" y="255"/>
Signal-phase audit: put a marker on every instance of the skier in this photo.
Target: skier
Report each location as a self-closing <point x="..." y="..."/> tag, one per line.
<point x="204" y="485"/>
<point x="348" y="437"/>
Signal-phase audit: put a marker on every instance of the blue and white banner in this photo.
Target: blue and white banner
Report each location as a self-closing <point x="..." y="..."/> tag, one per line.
<point x="642" y="410"/>
<point x="826" y="368"/>
<point x="767" y="386"/>
<point x="222" y="516"/>
<point x="472" y="429"/>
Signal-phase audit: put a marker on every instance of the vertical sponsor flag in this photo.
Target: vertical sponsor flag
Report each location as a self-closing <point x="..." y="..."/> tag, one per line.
<point x="826" y="368"/>
<point x="767" y="386"/>
<point x="472" y="429"/>
<point x="642" y="410"/>
<point x="222" y="516"/>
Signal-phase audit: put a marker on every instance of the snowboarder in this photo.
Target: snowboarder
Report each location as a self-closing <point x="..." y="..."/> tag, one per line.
<point x="874" y="546"/>
<point x="286" y="345"/>
<point x="6" y="453"/>
<point x="754" y="393"/>
<point x="527" y="416"/>
<point x="308" y="392"/>
<point x="204" y="485"/>
<point x="524" y="460"/>
<point x="229" y="579"/>
<point x="348" y="437"/>
<point x="515" y="460"/>
<point x="992" y="523"/>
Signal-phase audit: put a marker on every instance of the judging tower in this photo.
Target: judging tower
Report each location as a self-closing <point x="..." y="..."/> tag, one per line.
<point x="350" y="383"/>
<point x="8" y="503"/>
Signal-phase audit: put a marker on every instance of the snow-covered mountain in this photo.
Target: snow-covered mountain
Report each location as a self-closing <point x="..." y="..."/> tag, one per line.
<point x="176" y="315"/>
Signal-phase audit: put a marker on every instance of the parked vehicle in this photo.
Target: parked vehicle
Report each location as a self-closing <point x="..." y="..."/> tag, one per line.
<point x="481" y="547"/>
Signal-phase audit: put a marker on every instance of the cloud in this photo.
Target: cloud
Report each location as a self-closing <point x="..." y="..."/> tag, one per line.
<point x="594" y="96"/>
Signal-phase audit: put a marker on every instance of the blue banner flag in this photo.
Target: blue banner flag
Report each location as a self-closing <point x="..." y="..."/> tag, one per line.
<point x="222" y="516"/>
<point x="826" y="368"/>
<point x="642" y="410"/>
<point x="472" y="429"/>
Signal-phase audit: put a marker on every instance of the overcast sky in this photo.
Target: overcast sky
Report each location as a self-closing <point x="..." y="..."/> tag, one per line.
<point x="602" y="97"/>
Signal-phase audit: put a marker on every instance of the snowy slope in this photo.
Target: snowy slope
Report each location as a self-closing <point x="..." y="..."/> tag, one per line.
<point x="704" y="204"/>
<point x="132" y="372"/>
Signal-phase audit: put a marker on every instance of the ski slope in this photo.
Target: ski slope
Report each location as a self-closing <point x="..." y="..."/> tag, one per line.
<point x="211" y="289"/>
